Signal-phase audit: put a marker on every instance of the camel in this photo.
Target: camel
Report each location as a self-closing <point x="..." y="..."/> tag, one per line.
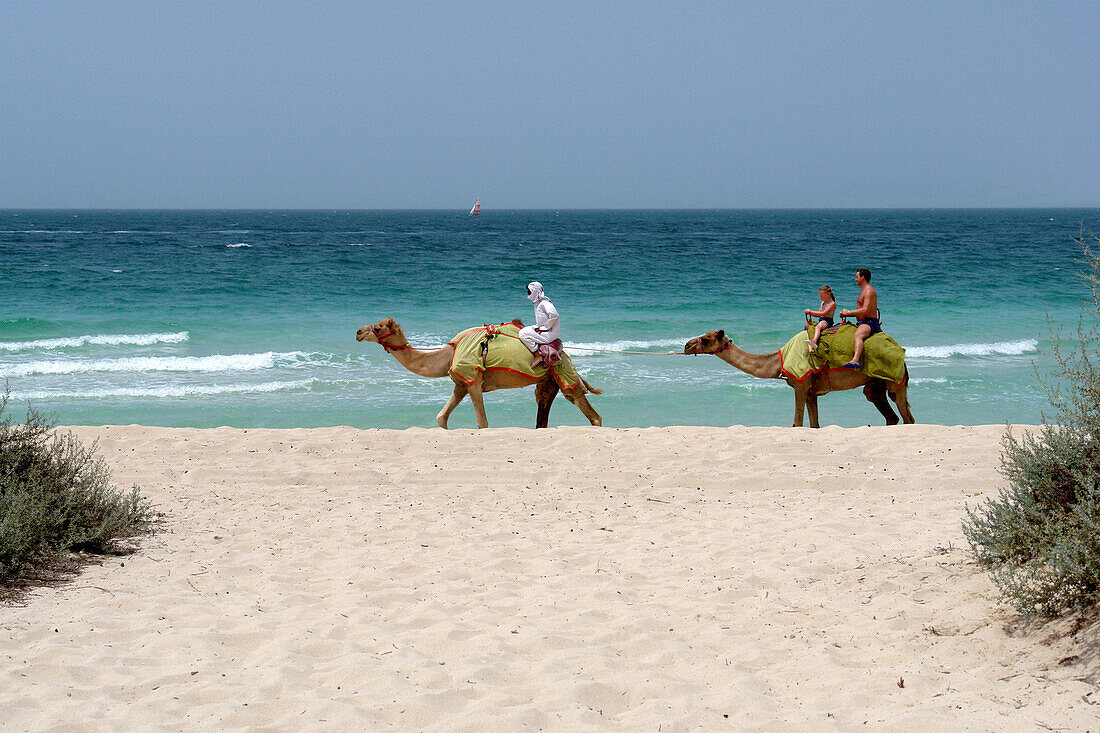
<point x="437" y="363"/>
<point x="806" y="392"/>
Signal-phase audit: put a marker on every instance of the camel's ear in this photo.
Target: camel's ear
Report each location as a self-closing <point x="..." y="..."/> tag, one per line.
<point x="390" y="323"/>
<point x="721" y="335"/>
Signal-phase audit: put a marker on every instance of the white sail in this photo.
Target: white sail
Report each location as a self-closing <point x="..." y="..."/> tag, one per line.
<point x="477" y="207"/>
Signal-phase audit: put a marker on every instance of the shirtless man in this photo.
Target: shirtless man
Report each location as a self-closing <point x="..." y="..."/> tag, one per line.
<point x="866" y="315"/>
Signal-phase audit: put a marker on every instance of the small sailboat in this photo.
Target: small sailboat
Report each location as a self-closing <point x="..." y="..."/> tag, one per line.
<point x="477" y="207"/>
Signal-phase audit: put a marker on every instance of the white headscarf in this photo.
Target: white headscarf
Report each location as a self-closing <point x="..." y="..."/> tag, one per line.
<point x="534" y="292"/>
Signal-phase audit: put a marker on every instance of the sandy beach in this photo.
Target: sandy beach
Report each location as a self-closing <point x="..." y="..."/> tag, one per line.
<point x="573" y="578"/>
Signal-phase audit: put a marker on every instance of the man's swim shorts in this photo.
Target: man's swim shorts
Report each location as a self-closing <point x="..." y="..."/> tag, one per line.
<point x="875" y="326"/>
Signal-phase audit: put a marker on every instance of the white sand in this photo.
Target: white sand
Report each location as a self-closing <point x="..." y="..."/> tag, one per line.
<point x="573" y="578"/>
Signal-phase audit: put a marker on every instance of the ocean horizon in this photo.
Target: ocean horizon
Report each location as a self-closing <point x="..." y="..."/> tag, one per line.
<point x="247" y="318"/>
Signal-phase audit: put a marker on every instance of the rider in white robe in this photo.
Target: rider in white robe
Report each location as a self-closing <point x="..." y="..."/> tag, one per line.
<point x="546" y="329"/>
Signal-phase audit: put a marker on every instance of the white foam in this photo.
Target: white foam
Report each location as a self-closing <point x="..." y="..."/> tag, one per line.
<point x="214" y="363"/>
<point x="1006" y="348"/>
<point x="762" y="384"/>
<point x="178" y="390"/>
<point x="238" y="245"/>
<point x="928" y="380"/>
<point x="626" y="345"/>
<point x="104" y="339"/>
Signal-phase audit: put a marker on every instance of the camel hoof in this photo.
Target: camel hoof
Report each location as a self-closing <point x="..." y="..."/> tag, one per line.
<point x="441" y="421"/>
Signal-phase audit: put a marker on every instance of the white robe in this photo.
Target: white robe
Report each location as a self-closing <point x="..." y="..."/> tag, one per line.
<point x="546" y="320"/>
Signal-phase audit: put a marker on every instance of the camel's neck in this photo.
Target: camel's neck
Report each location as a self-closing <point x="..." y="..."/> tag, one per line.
<point x="425" y="363"/>
<point x="764" y="366"/>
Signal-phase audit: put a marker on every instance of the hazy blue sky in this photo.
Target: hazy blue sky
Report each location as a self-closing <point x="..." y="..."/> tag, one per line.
<point x="555" y="105"/>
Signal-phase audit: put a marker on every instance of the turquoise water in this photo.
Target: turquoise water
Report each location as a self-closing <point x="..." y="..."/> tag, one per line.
<point x="248" y="319"/>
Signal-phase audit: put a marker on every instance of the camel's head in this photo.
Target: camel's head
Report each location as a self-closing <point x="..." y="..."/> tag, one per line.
<point x="383" y="327"/>
<point x="709" y="343"/>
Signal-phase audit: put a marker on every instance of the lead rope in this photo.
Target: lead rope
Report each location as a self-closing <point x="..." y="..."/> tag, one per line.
<point x="613" y="351"/>
<point x="494" y="332"/>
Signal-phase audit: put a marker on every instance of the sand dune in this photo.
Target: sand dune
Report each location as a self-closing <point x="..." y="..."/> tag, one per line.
<point x="573" y="578"/>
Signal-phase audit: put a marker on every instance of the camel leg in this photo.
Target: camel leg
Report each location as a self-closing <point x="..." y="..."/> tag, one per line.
<point x="456" y="397"/>
<point x="799" y="407"/>
<point x="811" y="408"/>
<point x="545" y="392"/>
<point x="875" y="392"/>
<point x="586" y="407"/>
<point x="479" y="404"/>
<point x="901" y="399"/>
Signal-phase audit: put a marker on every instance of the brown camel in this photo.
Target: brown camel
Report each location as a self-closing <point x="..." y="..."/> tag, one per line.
<point x="437" y="363"/>
<point x="806" y="392"/>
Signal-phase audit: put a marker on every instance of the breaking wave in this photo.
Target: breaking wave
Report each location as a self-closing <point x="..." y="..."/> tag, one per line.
<point x="626" y="345"/>
<point x="121" y="339"/>
<point x="214" y="363"/>
<point x="180" y="390"/>
<point x="1004" y="348"/>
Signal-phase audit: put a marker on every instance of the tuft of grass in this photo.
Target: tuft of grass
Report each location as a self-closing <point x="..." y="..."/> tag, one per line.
<point x="56" y="497"/>
<point x="1040" y="537"/>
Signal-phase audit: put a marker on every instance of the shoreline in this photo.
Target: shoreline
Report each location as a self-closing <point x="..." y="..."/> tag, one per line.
<point x="572" y="577"/>
<point x="524" y="428"/>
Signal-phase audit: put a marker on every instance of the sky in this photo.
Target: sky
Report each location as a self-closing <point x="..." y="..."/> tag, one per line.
<point x="381" y="105"/>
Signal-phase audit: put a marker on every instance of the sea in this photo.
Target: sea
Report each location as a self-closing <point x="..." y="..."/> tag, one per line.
<point x="248" y="318"/>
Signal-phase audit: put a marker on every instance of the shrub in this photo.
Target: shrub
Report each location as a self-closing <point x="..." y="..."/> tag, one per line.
<point x="55" y="496"/>
<point x="1040" y="537"/>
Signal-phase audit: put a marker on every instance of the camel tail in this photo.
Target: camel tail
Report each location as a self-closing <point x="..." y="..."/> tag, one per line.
<point x="590" y="388"/>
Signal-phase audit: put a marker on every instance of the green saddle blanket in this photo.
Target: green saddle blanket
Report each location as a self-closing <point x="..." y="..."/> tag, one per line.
<point x="504" y="351"/>
<point x="883" y="357"/>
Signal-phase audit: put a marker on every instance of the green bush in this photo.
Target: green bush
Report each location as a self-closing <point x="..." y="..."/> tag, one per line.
<point x="1040" y="537"/>
<point x="55" y="496"/>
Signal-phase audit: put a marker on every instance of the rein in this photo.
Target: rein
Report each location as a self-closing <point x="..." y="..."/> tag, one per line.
<point x="388" y="347"/>
<point x="726" y="347"/>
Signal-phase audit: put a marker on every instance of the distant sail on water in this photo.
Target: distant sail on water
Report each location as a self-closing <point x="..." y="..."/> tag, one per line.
<point x="477" y="207"/>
